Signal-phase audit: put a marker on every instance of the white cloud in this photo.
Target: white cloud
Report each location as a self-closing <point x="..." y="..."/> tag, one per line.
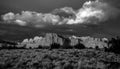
<point x="68" y="10"/>
<point x="34" y="18"/>
<point x="49" y="18"/>
<point x="20" y="22"/>
<point x="9" y="16"/>
<point x="92" y="12"/>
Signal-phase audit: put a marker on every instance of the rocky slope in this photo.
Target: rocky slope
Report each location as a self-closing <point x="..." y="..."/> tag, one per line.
<point x="52" y="38"/>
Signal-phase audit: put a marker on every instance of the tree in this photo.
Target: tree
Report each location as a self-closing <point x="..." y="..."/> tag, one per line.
<point x="114" y="45"/>
<point x="79" y="46"/>
<point x="55" y="46"/>
<point x="66" y="44"/>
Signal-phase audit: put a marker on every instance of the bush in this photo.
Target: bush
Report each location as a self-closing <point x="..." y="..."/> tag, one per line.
<point x="114" y="45"/>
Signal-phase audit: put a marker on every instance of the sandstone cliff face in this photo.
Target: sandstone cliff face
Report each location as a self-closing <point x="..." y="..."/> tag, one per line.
<point x="45" y="41"/>
<point x="55" y="41"/>
<point x="94" y="42"/>
<point x="52" y="38"/>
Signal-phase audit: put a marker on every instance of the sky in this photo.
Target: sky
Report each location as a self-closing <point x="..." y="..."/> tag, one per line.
<point x="94" y="17"/>
<point x="38" y="5"/>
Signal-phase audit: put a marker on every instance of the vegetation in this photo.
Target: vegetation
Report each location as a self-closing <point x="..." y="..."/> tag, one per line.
<point x="58" y="59"/>
<point x="54" y="51"/>
<point x="114" y="45"/>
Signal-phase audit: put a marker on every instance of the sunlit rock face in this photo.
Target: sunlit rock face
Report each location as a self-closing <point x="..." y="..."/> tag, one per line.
<point x="48" y="40"/>
<point x="52" y="38"/>
<point x="95" y="42"/>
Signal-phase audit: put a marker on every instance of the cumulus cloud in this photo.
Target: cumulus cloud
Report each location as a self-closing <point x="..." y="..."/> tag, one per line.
<point x="92" y="12"/>
<point x="51" y="18"/>
<point x="20" y="22"/>
<point x="68" y="10"/>
<point x="33" y="18"/>
<point x="9" y="16"/>
<point x="65" y="12"/>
